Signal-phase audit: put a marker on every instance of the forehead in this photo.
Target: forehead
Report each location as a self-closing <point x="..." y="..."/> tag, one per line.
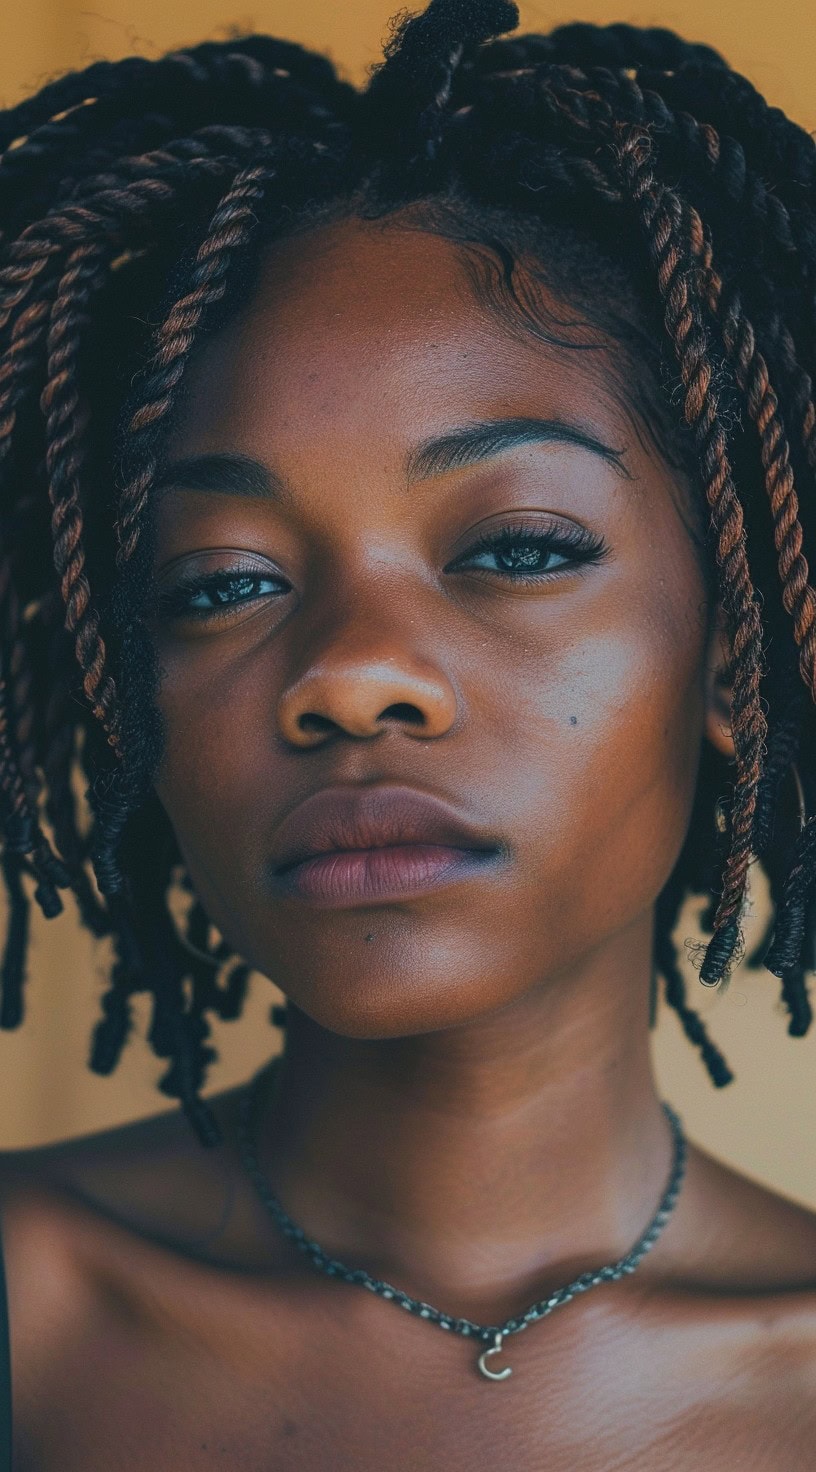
<point x="365" y="324"/>
<point x="360" y="342"/>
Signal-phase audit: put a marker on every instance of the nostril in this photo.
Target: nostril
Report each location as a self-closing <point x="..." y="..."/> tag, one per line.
<point x="311" y="722"/>
<point x="404" y="712"/>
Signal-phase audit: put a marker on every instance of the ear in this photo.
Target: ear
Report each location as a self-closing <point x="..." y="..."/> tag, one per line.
<point x="718" y="688"/>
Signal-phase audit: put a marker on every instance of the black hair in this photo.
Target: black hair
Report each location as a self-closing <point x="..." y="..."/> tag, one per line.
<point x="632" y="171"/>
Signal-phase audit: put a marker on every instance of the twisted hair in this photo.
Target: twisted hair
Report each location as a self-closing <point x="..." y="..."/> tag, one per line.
<point x="135" y="199"/>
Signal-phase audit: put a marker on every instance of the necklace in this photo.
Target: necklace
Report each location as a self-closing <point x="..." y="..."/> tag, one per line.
<point x="483" y="1332"/>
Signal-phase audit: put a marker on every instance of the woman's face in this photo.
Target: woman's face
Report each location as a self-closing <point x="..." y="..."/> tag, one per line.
<point x="367" y="641"/>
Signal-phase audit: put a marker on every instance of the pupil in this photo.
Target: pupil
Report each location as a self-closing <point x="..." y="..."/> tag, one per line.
<point x="528" y="557"/>
<point x="244" y="584"/>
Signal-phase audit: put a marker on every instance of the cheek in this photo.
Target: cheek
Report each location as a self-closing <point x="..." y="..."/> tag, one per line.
<point x="214" y="779"/>
<point x="601" y="733"/>
<point x="634" y="716"/>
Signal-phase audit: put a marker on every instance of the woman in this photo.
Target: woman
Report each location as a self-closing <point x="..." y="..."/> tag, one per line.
<point x="407" y="502"/>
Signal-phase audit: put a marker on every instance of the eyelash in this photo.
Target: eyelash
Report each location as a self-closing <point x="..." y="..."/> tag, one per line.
<point x="582" y="546"/>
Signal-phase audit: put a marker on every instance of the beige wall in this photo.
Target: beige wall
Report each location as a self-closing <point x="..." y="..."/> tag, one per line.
<point x="774" y="45"/>
<point x="763" y="1122"/>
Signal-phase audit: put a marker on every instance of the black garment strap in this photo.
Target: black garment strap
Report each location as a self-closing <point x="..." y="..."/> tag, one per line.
<point x="5" y="1372"/>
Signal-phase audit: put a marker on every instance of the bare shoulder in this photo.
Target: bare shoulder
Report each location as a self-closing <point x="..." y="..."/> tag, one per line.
<point x="755" y="1267"/>
<point x="54" y="1202"/>
<point x="50" y="1295"/>
<point x="150" y="1174"/>
<point x="91" y="1228"/>
<point x="64" y="1208"/>
<point x="751" y="1237"/>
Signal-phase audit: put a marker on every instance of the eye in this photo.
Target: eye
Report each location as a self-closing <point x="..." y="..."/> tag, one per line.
<point x="525" y="553"/>
<point x="214" y="595"/>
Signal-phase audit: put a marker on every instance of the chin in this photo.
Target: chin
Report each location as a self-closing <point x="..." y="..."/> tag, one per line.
<point x="380" y="1007"/>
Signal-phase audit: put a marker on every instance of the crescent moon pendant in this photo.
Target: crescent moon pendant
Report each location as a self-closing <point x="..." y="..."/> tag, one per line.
<point x="495" y="1348"/>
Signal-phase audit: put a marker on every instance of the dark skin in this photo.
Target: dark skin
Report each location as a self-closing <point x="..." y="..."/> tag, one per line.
<point x="467" y="1105"/>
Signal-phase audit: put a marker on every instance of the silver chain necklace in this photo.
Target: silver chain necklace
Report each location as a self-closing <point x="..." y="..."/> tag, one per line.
<point x="493" y="1334"/>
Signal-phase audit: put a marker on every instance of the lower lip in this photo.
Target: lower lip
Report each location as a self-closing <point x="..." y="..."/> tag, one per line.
<point x="362" y="876"/>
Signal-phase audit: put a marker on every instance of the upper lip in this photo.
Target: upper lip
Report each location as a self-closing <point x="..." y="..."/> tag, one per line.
<point x="338" y="818"/>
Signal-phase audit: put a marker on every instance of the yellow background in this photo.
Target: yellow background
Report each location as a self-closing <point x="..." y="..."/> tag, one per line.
<point x="763" y="1122"/>
<point x="773" y="44"/>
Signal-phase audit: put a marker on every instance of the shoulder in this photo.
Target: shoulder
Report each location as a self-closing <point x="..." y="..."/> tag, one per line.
<point x="751" y="1239"/>
<point x="63" y="1206"/>
<point x="746" y="1293"/>
<point x="49" y="1296"/>
<point x="151" y="1176"/>
<point x="85" y="1226"/>
<point x="55" y="1203"/>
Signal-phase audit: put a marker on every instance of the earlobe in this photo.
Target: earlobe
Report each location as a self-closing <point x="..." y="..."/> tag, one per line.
<point x="718" y="689"/>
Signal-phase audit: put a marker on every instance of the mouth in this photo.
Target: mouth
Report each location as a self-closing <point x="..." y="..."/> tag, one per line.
<point x="374" y="843"/>
<point x="348" y="877"/>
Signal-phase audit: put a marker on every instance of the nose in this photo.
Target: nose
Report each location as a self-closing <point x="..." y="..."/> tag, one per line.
<point x="363" y="680"/>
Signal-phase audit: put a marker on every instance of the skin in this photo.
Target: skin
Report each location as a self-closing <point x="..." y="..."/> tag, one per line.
<point x="467" y="1105"/>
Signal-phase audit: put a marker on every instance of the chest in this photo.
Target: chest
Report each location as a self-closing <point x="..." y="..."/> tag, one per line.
<point x="360" y="1391"/>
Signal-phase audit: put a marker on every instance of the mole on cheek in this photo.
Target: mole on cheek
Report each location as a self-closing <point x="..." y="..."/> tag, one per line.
<point x="573" y="720"/>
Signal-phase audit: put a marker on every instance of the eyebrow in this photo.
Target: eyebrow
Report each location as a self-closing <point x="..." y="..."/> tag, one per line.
<point x="482" y="439"/>
<point x="233" y="473"/>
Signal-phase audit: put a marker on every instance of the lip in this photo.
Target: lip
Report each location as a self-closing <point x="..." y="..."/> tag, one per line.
<point x="359" y="844"/>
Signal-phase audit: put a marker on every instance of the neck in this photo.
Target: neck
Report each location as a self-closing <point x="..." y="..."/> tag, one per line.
<point x="484" y="1164"/>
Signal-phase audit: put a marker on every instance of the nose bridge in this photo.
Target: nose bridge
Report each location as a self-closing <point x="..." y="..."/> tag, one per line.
<point x="368" y="595"/>
<point x="370" y="651"/>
